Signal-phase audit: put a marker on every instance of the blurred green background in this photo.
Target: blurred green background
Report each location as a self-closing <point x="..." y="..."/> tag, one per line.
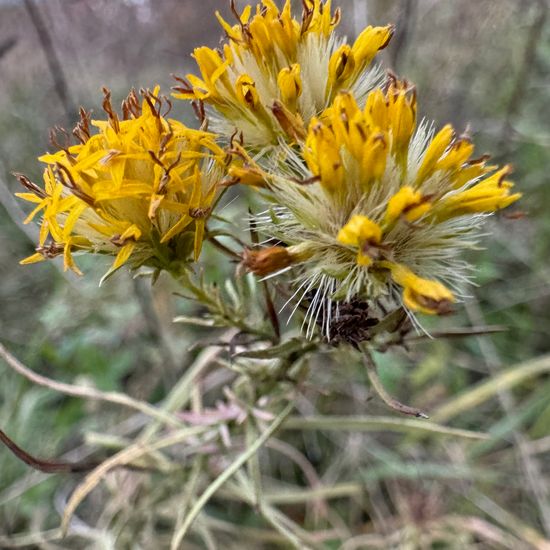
<point x="480" y="64"/>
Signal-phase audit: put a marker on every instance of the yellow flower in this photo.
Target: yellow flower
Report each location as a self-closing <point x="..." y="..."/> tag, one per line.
<point x="361" y="232"/>
<point x="366" y="137"/>
<point x="488" y="195"/>
<point x="382" y="208"/>
<point x="274" y="68"/>
<point x="139" y="189"/>
<point x="424" y="295"/>
<point x="408" y="203"/>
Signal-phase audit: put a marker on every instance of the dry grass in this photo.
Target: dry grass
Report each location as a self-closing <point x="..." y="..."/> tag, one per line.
<point x="339" y="471"/>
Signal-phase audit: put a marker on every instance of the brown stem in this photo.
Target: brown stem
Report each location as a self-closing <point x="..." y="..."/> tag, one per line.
<point x="390" y="401"/>
<point x="271" y="311"/>
<point x="223" y="249"/>
<point x="56" y="466"/>
<point x="56" y="69"/>
<point x="46" y="466"/>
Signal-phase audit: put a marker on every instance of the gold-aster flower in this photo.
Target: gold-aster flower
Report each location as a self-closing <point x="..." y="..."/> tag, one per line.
<point x="140" y="188"/>
<point x="377" y="208"/>
<point x="275" y="72"/>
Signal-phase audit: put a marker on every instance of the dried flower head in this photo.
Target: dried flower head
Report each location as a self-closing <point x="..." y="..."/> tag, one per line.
<point x="377" y="209"/>
<point x="139" y="189"/>
<point x="275" y="72"/>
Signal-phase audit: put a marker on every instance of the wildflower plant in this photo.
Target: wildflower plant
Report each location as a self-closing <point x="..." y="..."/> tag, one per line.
<point x="139" y="189"/>
<point x="373" y="207"/>
<point x="366" y="212"/>
<point x="275" y="72"/>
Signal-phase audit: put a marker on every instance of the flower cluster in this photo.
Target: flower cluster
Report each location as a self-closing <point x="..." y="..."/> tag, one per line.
<point x="379" y="205"/>
<point x="275" y="73"/>
<point x="362" y="202"/>
<point x="139" y="189"/>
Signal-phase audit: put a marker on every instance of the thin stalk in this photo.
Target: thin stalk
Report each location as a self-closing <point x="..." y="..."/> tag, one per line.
<point x="89" y="393"/>
<point x="377" y="423"/>
<point x="126" y="456"/>
<point x="228" y="473"/>
<point x="254" y="463"/>
<point x="390" y="401"/>
<point x="281" y="523"/>
<point x="192" y="485"/>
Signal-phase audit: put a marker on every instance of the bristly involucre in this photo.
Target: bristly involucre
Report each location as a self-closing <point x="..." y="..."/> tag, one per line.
<point x="372" y="207"/>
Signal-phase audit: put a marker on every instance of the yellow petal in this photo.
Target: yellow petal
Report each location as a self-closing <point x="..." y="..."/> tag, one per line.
<point x="360" y="229"/>
<point x="68" y="260"/>
<point x="290" y="85"/>
<point x="177" y="228"/>
<point x="375" y="156"/>
<point x="341" y="66"/>
<point x="123" y="256"/>
<point x="434" y="152"/>
<point x="35" y="211"/>
<point x="30" y="197"/>
<point x="370" y="42"/>
<point x="460" y="151"/>
<point x="323" y="157"/>
<point x="489" y="195"/>
<point x="403" y="123"/>
<point x="247" y="92"/>
<point x="423" y="295"/>
<point x="35" y="258"/>
<point x="376" y="108"/>
<point x="406" y="202"/>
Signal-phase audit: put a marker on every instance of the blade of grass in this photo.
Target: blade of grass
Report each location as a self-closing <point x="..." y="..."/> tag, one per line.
<point x="84" y="392"/>
<point x="230" y="471"/>
<point x="509" y="521"/>
<point x="123" y="457"/>
<point x="484" y="391"/>
<point x="390" y="401"/>
<point x="377" y="423"/>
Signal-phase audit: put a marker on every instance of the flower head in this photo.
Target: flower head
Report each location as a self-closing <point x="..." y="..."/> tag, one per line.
<point x="139" y="189"/>
<point x="379" y="208"/>
<point x="275" y="73"/>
